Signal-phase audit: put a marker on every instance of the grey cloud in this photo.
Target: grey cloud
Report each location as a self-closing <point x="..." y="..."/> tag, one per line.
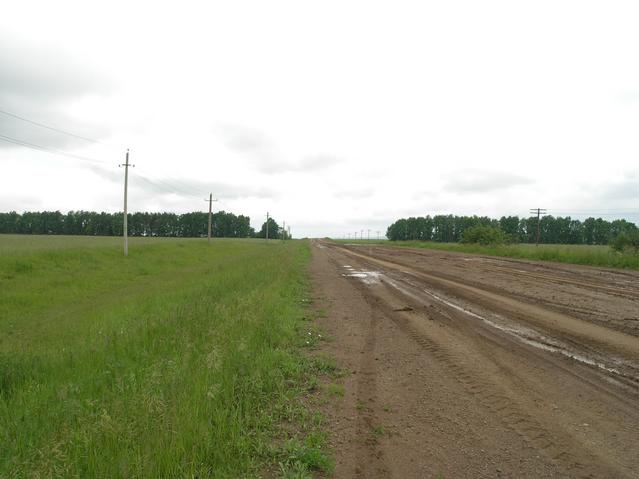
<point x="245" y="139"/>
<point x="354" y="193"/>
<point x="253" y="145"/>
<point x="481" y="181"/>
<point x="264" y="155"/>
<point x="26" y="202"/>
<point x="627" y="189"/>
<point x="37" y="83"/>
<point x="183" y="187"/>
<point x="222" y="191"/>
<point x="315" y="162"/>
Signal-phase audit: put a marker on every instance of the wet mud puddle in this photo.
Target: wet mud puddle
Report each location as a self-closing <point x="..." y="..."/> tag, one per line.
<point x="367" y="277"/>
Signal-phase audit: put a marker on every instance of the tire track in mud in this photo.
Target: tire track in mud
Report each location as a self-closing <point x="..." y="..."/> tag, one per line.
<point x="618" y="291"/>
<point x="587" y="283"/>
<point x="570" y="347"/>
<point x="549" y="322"/>
<point x="624" y="370"/>
<point x="495" y="399"/>
<point x="502" y="403"/>
<point x="558" y="277"/>
<point x="579" y="348"/>
<point x="366" y="418"/>
<point x="370" y="460"/>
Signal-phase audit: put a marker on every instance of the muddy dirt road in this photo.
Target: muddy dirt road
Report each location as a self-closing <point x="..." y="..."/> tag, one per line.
<point x="468" y="366"/>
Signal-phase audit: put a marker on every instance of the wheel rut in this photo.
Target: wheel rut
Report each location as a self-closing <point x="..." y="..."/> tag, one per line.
<point x="570" y="418"/>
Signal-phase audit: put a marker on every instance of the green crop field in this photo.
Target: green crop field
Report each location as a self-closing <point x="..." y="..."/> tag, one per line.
<point x="183" y="360"/>
<point x="593" y="255"/>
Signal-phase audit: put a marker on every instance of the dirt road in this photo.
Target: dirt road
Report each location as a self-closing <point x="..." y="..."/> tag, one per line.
<point x="469" y="366"/>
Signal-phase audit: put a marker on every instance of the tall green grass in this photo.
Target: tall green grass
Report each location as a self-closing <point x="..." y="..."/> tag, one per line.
<point x="178" y="361"/>
<point x="593" y="255"/>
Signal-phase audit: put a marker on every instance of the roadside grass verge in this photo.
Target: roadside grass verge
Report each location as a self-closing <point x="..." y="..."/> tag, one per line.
<point x="182" y="360"/>
<point x="592" y="255"/>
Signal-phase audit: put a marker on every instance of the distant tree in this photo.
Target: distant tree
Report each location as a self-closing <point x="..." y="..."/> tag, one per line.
<point x="484" y="235"/>
<point x="139" y="224"/>
<point x="273" y="230"/>
<point x="10" y="222"/>
<point x="562" y="230"/>
<point x="626" y="241"/>
<point x="509" y="225"/>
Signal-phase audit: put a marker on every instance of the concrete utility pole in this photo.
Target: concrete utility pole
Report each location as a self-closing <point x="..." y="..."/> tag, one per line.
<point x="361" y="235"/>
<point x="267" y="225"/>
<point x="377" y="235"/>
<point x="368" y="235"/>
<point x="539" y="211"/>
<point x="210" y="200"/>
<point x="126" y="187"/>
<point x="283" y="230"/>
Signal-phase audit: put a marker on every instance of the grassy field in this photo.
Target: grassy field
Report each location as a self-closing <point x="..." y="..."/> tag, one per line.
<point x="576" y="254"/>
<point x="18" y="244"/>
<point x="183" y="360"/>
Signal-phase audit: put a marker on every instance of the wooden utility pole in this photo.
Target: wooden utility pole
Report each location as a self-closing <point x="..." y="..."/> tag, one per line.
<point x="126" y="187"/>
<point x="267" y="225"/>
<point x="539" y="211"/>
<point x="210" y="200"/>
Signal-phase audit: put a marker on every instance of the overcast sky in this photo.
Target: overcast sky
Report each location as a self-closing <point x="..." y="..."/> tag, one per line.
<point x="333" y="116"/>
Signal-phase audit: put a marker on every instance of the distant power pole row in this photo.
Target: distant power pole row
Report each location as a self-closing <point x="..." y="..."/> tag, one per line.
<point x="285" y="231"/>
<point x="126" y="166"/>
<point x="361" y="235"/>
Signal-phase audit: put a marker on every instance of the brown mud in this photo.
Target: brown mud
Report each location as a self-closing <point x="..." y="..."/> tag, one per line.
<point x="469" y="366"/>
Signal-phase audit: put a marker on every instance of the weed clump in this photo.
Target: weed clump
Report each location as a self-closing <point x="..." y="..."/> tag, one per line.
<point x="626" y="242"/>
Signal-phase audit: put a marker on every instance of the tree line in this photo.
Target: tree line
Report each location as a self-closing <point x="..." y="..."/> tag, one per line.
<point x="553" y="229"/>
<point x="91" y="223"/>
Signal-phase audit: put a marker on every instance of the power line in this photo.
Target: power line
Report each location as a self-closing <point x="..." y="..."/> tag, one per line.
<point x="47" y="149"/>
<point x="157" y="183"/>
<point x="590" y="210"/>
<point x="597" y="213"/>
<point x="168" y="187"/>
<point x="42" y="125"/>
